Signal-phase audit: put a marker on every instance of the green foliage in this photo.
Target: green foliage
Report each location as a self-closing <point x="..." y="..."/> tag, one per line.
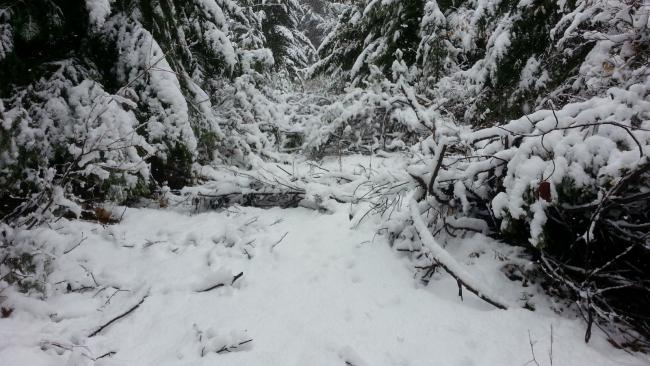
<point x="21" y="271"/>
<point x="118" y="188"/>
<point x="401" y="31"/>
<point x="569" y="193"/>
<point x="530" y="36"/>
<point x="291" y="49"/>
<point x="514" y="231"/>
<point x="175" y="169"/>
<point x="44" y="31"/>
<point x="470" y="54"/>
<point x="208" y="145"/>
<point x="344" y="46"/>
<point x="372" y="35"/>
<point x="159" y="62"/>
<point x="293" y="140"/>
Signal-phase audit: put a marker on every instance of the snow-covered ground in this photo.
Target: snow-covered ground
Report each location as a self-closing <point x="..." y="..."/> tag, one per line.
<point x="313" y="292"/>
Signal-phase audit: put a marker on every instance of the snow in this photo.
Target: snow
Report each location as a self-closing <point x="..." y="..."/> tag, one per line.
<point x="6" y="34"/>
<point x="530" y="75"/>
<point x="98" y="11"/>
<point x="214" y="10"/>
<point x="326" y="294"/>
<point x="220" y="43"/>
<point x="142" y="55"/>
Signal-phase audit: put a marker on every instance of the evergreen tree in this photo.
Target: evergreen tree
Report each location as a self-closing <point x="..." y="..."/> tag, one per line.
<point x="370" y="34"/>
<point x="319" y="18"/>
<point x="118" y="92"/>
<point x="291" y="49"/>
<point x="471" y="53"/>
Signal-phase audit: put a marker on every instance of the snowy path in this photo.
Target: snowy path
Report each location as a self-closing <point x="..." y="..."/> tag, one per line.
<point x="325" y="295"/>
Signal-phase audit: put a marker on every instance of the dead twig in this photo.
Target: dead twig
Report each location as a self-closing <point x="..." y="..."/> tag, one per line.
<point x="83" y="238"/>
<point x="149" y="243"/>
<point x="107" y="354"/>
<point x="108" y="301"/>
<point x="129" y="311"/>
<point x="279" y="241"/>
<point x="90" y="273"/>
<point x="234" y="347"/>
<point x="235" y="278"/>
<point x="532" y="351"/>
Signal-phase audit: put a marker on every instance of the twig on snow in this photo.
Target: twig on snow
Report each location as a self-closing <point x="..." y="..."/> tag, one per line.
<point x="83" y="238"/>
<point x="149" y="243"/>
<point x="234" y="347"/>
<point x="279" y="241"/>
<point x="90" y="273"/>
<point x="107" y="354"/>
<point x="132" y="309"/>
<point x="108" y="301"/>
<point x="532" y="351"/>
<point x="235" y="278"/>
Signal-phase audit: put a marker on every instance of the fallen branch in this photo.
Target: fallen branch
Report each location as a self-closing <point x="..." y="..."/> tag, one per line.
<point x="236" y="277"/>
<point x="441" y="154"/>
<point x="132" y="309"/>
<point x="448" y="263"/>
<point x="107" y="354"/>
<point x="279" y="241"/>
<point x="277" y="198"/>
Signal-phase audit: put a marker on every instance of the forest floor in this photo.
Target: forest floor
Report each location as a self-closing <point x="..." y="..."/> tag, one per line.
<point x="250" y="286"/>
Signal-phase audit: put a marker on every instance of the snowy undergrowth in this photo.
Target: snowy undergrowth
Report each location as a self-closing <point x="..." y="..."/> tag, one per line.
<point x="358" y="180"/>
<point x="312" y="291"/>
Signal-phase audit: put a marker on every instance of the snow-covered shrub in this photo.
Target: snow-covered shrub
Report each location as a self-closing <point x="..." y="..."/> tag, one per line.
<point x="24" y="264"/>
<point x="65" y="135"/>
<point x="252" y="114"/>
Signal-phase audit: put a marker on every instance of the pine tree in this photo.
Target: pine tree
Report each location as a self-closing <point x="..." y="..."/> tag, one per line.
<point x="472" y="51"/>
<point x="319" y="18"/>
<point x="122" y="91"/>
<point x="291" y="49"/>
<point x="371" y="34"/>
